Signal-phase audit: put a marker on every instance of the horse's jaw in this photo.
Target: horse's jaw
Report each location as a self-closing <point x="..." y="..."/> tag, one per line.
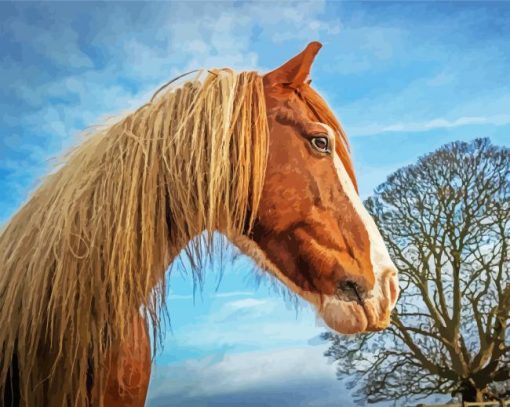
<point x="345" y="317"/>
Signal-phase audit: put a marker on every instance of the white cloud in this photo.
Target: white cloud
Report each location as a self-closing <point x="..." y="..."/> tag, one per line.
<point x="260" y="323"/>
<point x="259" y="372"/>
<point x="248" y="303"/>
<point x="438" y="123"/>
<point x="308" y="22"/>
<point x="228" y="294"/>
<point x="232" y="294"/>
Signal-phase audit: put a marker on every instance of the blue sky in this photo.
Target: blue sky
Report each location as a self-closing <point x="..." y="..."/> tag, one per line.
<point x="404" y="78"/>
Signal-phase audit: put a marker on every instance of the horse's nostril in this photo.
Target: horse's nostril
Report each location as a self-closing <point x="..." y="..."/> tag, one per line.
<point x="351" y="291"/>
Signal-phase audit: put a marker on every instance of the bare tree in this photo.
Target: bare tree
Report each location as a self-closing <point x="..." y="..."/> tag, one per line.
<point x="446" y="221"/>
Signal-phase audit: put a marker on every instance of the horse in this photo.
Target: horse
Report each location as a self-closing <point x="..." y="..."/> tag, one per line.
<point x="258" y="158"/>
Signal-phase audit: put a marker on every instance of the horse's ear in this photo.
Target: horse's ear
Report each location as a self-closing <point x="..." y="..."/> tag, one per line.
<point x="295" y="71"/>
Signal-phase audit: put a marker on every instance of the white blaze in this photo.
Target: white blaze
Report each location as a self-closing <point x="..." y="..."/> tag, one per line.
<point x="379" y="257"/>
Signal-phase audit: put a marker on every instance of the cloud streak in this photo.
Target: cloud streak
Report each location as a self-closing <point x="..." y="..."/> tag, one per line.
<point x="439" y="123"/>
<point x="172" y="296"/>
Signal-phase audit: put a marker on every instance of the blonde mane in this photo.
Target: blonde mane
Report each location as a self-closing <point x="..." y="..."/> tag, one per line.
<point x="91" y="246"/>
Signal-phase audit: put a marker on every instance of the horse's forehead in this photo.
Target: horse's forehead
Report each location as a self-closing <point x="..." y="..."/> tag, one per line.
<point x="294" y="113"/>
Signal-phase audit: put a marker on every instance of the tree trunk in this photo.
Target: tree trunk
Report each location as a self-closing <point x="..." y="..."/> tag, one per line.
<point x="472" y="393"/>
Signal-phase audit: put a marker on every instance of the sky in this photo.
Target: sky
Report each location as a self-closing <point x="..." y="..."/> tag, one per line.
<point x="403" y="78"/>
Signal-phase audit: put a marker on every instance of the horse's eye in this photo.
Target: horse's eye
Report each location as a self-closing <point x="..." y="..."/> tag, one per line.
<point x="321" y="144"/>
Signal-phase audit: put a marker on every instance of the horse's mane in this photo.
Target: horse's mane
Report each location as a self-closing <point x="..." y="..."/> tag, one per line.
<point x="93" y="242"/>
<point x="91" y="245"/>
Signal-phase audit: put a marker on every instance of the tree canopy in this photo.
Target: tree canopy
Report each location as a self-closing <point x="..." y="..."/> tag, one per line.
<point x="446" y="221"/>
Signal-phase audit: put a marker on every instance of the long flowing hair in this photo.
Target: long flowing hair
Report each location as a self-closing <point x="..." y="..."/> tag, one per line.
<point x="91" y="246"/>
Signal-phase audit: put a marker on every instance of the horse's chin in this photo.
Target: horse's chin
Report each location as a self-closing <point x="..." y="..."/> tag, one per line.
<point x="350" y="317"/>
<point x="345" y="317"/>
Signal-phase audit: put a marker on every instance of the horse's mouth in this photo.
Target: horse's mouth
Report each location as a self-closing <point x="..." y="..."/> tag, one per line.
<point x="351" y="317"/>
<point x="378" y="315"/>
<point x="370" y="314"/>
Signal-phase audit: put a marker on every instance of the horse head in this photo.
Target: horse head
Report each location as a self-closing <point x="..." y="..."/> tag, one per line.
<point x="312" y="231"/>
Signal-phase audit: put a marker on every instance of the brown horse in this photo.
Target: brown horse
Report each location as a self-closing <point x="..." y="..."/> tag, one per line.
<point x="261" y="159"/>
